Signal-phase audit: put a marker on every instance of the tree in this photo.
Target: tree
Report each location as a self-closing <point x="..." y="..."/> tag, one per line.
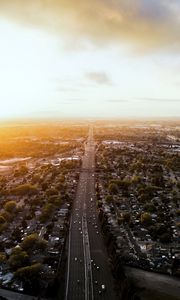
<point x="25" y="189"/>
<point x="18" y="258"/>
<point x="23" y="170"/>
<point x="178" y="225"/>
<point x="56" y="200"/>
<point x="146" y="219"/>
<point x="10" y="206"/>
<point x="178" y="212"/>
<point x="2" y="258"/>
<point x="30" y="275"/>
<point x="149" y="207"/>
<point x="2" y="219"/>
<point x="113" y="188"/>
<point x="109" y="199"/>
<point x="6" y="215"/>
<point x="33" y="242"/>
<point x="52" y="192"/>
<point x="47" y="212"/>
<point x="136" y="179"/>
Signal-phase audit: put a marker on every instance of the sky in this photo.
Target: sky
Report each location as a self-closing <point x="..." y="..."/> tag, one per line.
<point x="90" y="59"/>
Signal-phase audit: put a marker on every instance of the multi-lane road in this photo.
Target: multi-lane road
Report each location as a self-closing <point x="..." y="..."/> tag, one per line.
<point x="88" y="273"/>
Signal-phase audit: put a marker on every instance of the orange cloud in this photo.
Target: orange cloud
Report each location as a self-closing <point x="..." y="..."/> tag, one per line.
<point x="143" y="23"/>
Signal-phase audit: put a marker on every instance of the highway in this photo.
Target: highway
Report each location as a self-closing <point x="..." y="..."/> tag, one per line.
<point x="88" y="273"/>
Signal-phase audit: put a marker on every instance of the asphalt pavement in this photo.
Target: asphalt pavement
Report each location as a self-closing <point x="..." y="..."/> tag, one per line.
<point x="88" y="273"/>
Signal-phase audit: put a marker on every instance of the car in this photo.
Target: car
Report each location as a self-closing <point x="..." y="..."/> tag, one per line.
<point x="103" y="287"/>
<point x="75" y="259"/>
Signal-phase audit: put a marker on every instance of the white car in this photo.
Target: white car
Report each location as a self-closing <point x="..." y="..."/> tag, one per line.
<point x="103" y="287"/>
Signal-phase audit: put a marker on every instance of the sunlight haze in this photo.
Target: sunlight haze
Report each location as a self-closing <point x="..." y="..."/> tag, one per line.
<point x="54" y="62"/>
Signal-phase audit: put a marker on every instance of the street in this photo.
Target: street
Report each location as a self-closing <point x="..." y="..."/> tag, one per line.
<point x="88" y="273"/>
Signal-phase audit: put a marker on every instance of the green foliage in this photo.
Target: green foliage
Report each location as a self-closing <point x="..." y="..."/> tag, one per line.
<point x="29" y="272"/>
<point x="25" y="189"/>
<point x="55" y="200"/>
<point x="13" y="143"/>
<point x="18" y="258"/>
<point x="146" y="219"/>
<point x="113" y="188"/>
<point x="136" y="179"/>
<point x="3" y="227"/>
<point x="23" y="169"/>
<point x="137" y="166"/>
<point x="47" y="212"/>
<point x="173" y="162"/>
<point x="149" y="207"/>
<point x="33" y="242"/>
<point x="10" y="206"/>
<point x="146" y="192"/>
<point x="52" y="192"/>
<point x="178" y="225"/>
<point x="2" y="258"/>
<point x="178" y="212"/>
<point x="122" y="184"/>
<point x="6" y="215"/>
<point x="2" y="219"/>
<point x="109" y="198"/>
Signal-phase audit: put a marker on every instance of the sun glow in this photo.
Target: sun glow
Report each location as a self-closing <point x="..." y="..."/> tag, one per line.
<point x="27" y="63"/>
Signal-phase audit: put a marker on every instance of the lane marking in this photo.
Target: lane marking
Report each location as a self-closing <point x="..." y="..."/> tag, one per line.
<point x="87" y="260"/>
<point x="69" y="255"/>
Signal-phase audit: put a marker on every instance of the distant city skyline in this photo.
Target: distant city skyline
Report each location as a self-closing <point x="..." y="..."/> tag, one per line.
<point x="94" y="59"/>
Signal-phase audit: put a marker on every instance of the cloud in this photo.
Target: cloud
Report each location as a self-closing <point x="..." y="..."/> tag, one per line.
<point x="98" y="77"/>
<point x="146" y="24"/>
